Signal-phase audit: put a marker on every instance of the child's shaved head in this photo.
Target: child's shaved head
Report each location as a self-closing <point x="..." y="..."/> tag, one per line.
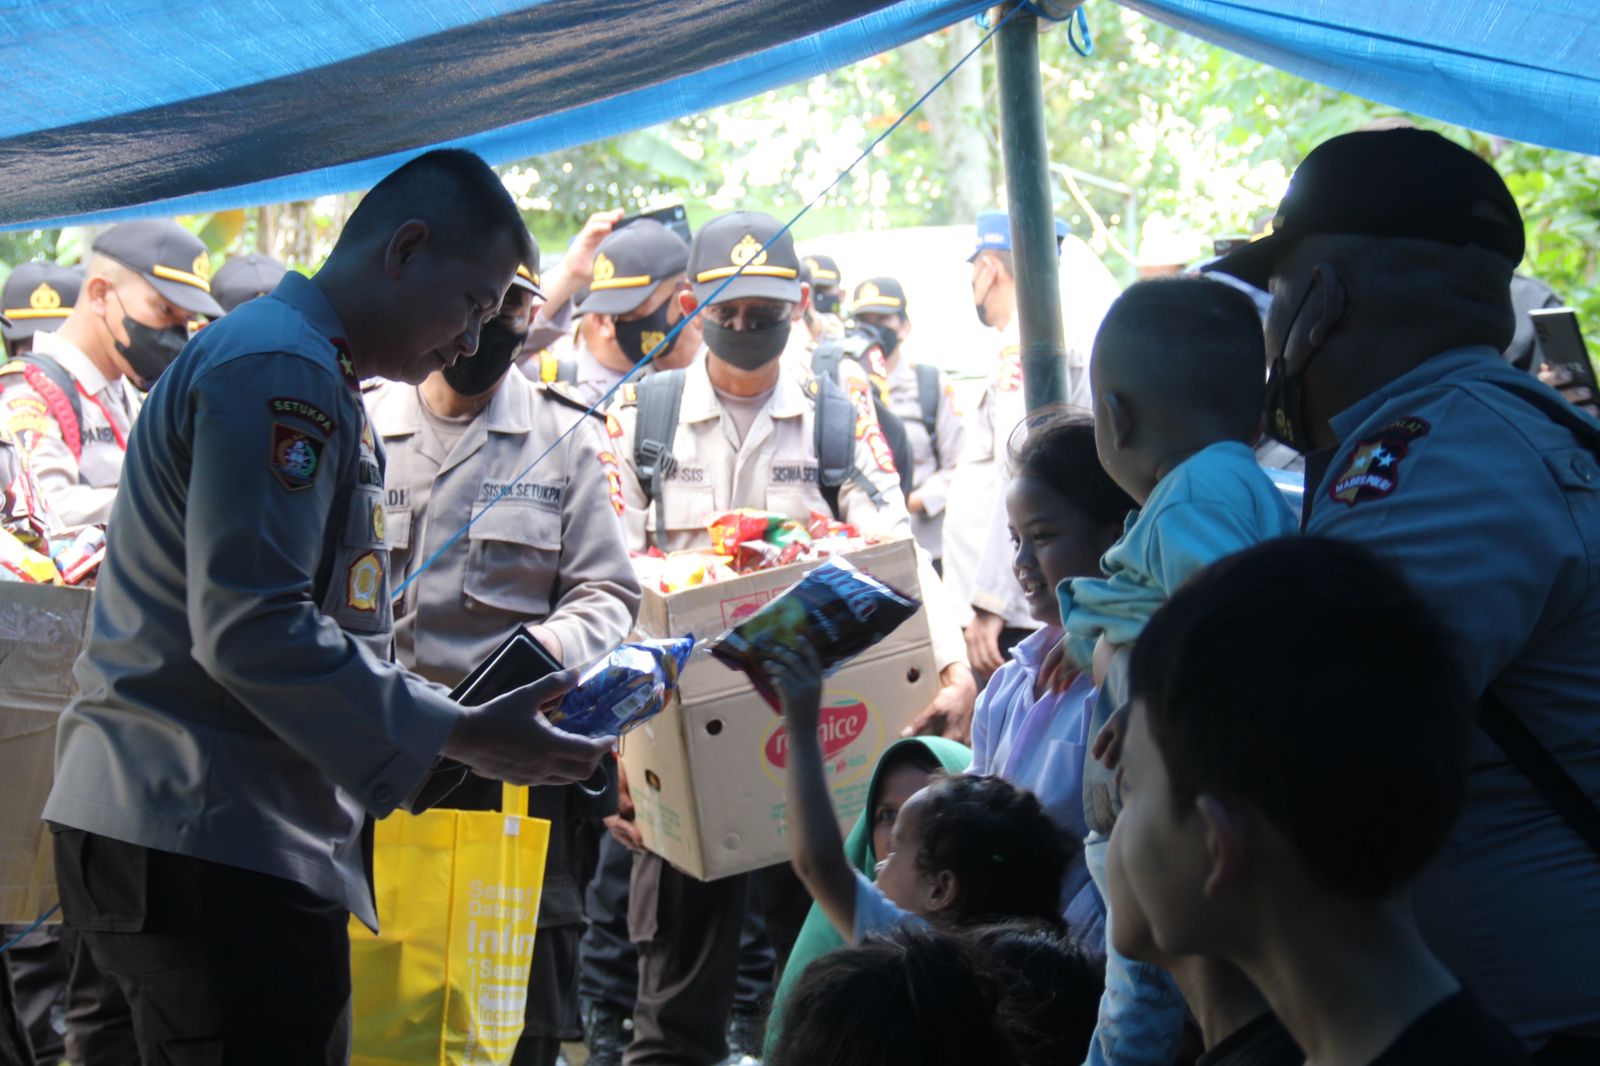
<point x="1186" y="353"/>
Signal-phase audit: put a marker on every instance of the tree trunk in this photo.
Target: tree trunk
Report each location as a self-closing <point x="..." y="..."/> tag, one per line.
<point x="956" y="119"/>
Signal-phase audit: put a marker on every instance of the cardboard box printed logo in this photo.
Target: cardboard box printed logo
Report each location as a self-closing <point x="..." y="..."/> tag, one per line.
<point x="846" y="719"/>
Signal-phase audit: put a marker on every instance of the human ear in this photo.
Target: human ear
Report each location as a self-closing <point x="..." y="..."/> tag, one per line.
<point x="1119" y="417"/>
<point x="97" y="289"/>
<point x="686" y="302"/>
<point x="411" y="237"/>
<point x="804" y="305"/>
<point x="1331" y="307"/>
<point x="606" y="327"/>
<point x="942" y="890"/>
<point x="1228" y="842"/>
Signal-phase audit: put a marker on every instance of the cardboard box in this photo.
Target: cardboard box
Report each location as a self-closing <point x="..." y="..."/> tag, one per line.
<point x="707" y="775"/>
<point x="41" y="633"/>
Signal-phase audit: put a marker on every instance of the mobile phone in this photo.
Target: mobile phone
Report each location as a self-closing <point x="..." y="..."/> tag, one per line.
<point x="519" y="660"/>
<point x="675" y="217"/>
<point x="1223" y="245"/>
<point x="1561" y="344"/>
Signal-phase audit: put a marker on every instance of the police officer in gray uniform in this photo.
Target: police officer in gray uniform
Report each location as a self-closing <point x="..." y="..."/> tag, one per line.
<point x="238" y="719"/>
<point x="544" y="549"/>
<point x="72" y="400"/>
<point x="631" y="306"/>
<point x="1389" y="264"/>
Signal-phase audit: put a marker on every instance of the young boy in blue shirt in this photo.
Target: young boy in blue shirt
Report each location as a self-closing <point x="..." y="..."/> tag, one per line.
<point x="1179" y="378"/>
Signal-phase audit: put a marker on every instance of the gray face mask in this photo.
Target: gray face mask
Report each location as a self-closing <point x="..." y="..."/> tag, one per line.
<point x="749" y="349"/>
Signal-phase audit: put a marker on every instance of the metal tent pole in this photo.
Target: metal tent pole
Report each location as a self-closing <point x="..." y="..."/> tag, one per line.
<point x="1033" y="238"/>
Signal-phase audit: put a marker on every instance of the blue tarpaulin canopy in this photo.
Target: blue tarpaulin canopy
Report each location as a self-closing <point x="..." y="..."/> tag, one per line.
<point x="141" y="107"/>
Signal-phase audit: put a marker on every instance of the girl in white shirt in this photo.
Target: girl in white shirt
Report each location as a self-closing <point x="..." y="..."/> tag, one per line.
<point x="1064" y="513"/>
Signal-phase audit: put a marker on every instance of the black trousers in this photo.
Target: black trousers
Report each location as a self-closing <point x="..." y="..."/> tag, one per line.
<point x="15" y="1048"/>
<point x="608" y="964"/>
<point x="688" y="933"/>
<point x="220" y="966"/>
<point x="39" y="964"/>
<point x="552" y="1011"/>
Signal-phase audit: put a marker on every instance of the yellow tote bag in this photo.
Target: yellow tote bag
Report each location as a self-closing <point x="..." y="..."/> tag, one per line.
<point x="445" y="982"/>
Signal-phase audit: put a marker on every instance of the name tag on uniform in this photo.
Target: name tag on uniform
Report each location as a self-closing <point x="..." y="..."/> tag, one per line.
<point x="688" y="475"/>
<point x="794" y="474"/>
<point x="534" y="493"/>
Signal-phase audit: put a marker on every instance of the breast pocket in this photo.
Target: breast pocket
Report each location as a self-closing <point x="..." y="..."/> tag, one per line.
<point x="793" y="489"/>
<point x="358" y="589"/>
<point x="1060" y="784"/>
<point x="397" y="536"/>
<point x="513" y="551"/>
<point x="1578" y="475"/>
<point x="688" y="508"/>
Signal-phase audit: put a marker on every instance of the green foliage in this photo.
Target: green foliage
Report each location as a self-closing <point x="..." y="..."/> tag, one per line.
<point x="1195" y="143"/>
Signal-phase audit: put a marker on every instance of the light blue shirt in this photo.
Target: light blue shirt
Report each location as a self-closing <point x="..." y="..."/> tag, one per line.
<point x="876" y="913"/>
<point x="1040" y="744"/>
<point x="1492" y="510"/>
<point x="1211" y="505"/>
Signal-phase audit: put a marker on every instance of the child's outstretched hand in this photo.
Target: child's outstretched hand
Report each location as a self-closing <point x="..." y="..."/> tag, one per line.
<point x="796" y="672"/>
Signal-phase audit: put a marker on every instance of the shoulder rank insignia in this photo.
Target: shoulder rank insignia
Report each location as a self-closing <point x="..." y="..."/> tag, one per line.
<point x="560" y="390"/>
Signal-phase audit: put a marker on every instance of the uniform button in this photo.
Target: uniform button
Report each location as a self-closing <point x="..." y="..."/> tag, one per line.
<point x="1583" y="469"/>
<point x="382" y="795"/>
<point x="471" y="603"/>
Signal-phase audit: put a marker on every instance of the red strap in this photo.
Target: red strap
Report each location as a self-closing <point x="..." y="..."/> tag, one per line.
<point x="122" y="438"/>
<point x="60" y="406"/>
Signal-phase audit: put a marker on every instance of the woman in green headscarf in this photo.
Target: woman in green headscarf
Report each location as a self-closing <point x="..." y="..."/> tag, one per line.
<point x="903" y="770"/>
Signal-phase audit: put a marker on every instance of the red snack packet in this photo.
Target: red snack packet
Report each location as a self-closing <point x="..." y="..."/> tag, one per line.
<point x="733" y="528"/>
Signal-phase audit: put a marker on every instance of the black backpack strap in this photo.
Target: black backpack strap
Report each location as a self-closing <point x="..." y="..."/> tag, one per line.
<point x="928" y="395"/>
<point x="660" y="395"/>
<point x="834" y="435"/>
<point x="826" y="357"/>
<point x="899" y="441"/>
<point x="1535" y="762"/>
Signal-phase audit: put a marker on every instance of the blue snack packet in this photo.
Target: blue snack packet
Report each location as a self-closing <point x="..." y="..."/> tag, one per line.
<point x="623" y="690"/>
<point x="837" y="609"/>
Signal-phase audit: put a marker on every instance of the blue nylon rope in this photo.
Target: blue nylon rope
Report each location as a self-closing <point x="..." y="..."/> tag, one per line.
<point x="666" y="342"/>
<point x="14" y="941"/>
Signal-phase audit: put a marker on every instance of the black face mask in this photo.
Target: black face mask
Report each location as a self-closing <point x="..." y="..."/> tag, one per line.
<point x="639" y="337"/>
<point x="150" y="351"/>
<point x="497" y="347"/>
<point x="883" y="336"/>
<point x="826" y="303"/>
<point x="749" y="349"/>
<point x="1286" y="404"/>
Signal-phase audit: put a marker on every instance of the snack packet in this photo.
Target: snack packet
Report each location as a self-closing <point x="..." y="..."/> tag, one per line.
<point x="746" y="525"/>
<point x="838" y="609"/>
<point x="626" y="688"/>
<point x="822" y="526"/>
<point x="25" y="564"/>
